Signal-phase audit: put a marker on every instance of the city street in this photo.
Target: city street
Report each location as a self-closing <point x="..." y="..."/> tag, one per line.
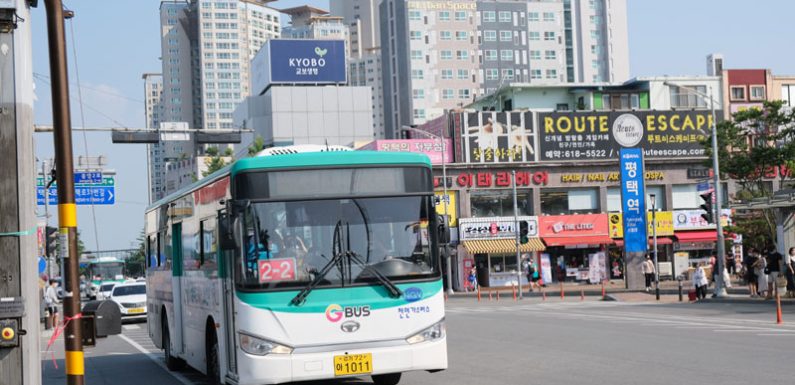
<point x="537" y="342"/>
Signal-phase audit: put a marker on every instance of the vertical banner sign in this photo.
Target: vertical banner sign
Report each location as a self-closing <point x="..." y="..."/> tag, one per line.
<point x="633" y="200"/>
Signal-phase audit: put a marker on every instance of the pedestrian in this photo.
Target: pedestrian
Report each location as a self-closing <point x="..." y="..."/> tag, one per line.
<point x="647" y="267"/>
<point x="700" y="281"/>
<point x="773" y="270"/>
<point x="750" y="276"/>
<point x="531" y="274"/>
<point x="790" y="269"/>
<point x="473" y="278"/>
<point x="760" y="266"/>
<point x="51" y="301"/>
<point x="730" y="264"/>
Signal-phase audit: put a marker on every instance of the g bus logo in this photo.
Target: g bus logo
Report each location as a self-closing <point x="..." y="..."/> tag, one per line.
<point x="335" y="313"/>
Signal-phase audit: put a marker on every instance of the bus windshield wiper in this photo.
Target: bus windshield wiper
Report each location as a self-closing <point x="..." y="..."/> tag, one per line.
<point x="394" y="291"/>
<point x="299" y="299"/>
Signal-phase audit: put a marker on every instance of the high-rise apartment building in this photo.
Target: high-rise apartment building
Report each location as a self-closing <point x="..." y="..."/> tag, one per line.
<point x="153" y="107"/>
<point x="314" y="23"/>
<point x="365" y="71"/>
<point x="439" y="55"/>
<point x="361" y="17"/>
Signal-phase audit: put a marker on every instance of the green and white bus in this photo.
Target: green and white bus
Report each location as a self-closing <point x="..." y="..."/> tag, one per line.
<point x="300" y="264"/>
<point x="102" y="270"/>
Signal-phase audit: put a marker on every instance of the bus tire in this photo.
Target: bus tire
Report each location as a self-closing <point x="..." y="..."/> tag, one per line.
<point x="386" y="379"/>
<point x="172" y="363"/>
<point x="211" y="354"/>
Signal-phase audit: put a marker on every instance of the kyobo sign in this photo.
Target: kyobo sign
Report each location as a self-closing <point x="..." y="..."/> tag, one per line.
<point x="307" y="61"/>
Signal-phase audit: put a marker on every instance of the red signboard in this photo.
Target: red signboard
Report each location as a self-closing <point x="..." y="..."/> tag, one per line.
<point x="276" y="270"/>
<point x="501" y="179"/>
<point x="577" y="225"/>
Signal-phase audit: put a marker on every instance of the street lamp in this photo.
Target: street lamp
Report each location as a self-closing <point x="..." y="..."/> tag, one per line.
<point x="653" y="201"/>
<point x="448" y="270"/>
<point x="720" y="288"/>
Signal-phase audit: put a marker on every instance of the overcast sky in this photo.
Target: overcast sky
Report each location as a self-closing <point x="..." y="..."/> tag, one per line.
<point x="118" y="40"/>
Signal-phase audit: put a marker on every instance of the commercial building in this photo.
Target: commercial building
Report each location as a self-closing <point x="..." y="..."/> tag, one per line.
<point x="439" y="55"/>
<point x="361" y="17"/>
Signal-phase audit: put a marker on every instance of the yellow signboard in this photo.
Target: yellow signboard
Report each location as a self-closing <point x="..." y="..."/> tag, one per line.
<point x="451" y="206"/>
<point x="665" y="224"/>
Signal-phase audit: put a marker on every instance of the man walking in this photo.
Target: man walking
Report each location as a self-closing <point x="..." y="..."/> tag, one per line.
<point x="51" y="301"/>
<point x="647" y="268"/>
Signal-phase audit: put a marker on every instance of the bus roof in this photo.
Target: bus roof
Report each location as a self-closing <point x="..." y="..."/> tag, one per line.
<point x="307" y="159"/>
<point x="324" y="159"/>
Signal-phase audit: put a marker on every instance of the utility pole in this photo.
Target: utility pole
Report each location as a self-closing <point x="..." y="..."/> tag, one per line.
<point x="67" y="211"/>
<point x="20" y="357"/>
<point x="516" y="237"/>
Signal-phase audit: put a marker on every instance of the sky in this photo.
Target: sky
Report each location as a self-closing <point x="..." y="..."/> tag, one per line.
<point x="116" y="41"/>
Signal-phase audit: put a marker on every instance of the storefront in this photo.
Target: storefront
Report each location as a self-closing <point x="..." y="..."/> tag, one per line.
<point x="665" y="232"/>
<point x="490" y="244"/>
<point x="574" y="242"/>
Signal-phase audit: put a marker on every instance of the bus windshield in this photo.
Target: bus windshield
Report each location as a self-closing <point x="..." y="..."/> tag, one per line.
<point x="107" y="270"/>
<point x="288" y="244"/>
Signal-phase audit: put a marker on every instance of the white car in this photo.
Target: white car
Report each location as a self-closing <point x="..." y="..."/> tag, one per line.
<point x="131" y="298"/>
<point x="104" y="290"/>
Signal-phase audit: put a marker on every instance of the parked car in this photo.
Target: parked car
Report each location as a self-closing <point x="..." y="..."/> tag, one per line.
<point x="104" y="290"/>
<point x="131" y="298"/>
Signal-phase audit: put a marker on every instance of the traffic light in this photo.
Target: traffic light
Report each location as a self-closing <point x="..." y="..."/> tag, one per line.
<point x="709" y="216"/>
<point x="51" y="241"/>
<point x="524" y="229"/>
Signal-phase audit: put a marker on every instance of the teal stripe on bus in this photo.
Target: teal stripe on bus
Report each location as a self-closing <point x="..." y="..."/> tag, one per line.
<point x="319" y="299"/>
<point x="326" y="159"/>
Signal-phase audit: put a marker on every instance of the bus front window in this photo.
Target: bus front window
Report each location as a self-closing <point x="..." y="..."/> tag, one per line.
<point x="288" y="244"/>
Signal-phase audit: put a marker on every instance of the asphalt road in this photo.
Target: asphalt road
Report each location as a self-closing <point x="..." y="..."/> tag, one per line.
<point x="534" y="342"/>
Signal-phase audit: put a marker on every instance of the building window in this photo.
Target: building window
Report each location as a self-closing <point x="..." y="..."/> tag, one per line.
<point x="419" y="113"/>
<point x="506" y="55"/>
<point x="532" y="16"/>
<point x="552" y="74"/>
<point x="444" y="15"/>
<point x="461" y="35"/>
<point x="534" y="36"/>
<point x="447" y="94"/>
<point x="506" y="35"/>
<point x="492" y="74"/>
<point x="417" y="74"/>
<point x="463" y="93"/>
<point x="491" y="54"/>
<point x="415" y="16"/>
<point x="415" y="35"/>
<point x="550" y="55"/>
<point x="445" y="35"/>
<point x="463" y="74"/>
<point x="447" y="74"/>
<point x="507" y="74"/>
<point x="535" y="74"/>
<point x="462" y="55"/>
<point x="549" y="36"/>
<point x="489" y="16"/>
<point x="498" y="203"/>
<point x="738" y="92"/>
<point x="505" y="17"/>
<point x="757" y="93"/>
<point x="490" y="35"/>
<point x="446" y="54"/>
<point x="418" y="94"/>
<point x="460" y="16"/>
<point x="416" y="54"/>
<point x="687" y="96"/>
<point x="569" y="201"/>
<point x="535" y="55"/>
<point x="549" y="16"/>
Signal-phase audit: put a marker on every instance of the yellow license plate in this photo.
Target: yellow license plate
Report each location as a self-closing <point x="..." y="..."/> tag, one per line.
<point x="136" y="310"/>
<point x="352" y="364"/>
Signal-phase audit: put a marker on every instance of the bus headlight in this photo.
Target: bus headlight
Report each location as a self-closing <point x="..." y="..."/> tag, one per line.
<point x="260" y="347"/>
<point x="435" y="332"/>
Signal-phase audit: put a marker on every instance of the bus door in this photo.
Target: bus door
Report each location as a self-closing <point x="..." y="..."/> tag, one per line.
<point x="226" y="262"/>
<point x="176" y="281"/>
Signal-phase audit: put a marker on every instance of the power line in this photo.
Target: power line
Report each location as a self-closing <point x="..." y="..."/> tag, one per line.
<point x="46" y="78"/>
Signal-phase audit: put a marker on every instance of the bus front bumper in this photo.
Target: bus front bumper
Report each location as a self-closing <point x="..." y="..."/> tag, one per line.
<point x="281" y="368"/>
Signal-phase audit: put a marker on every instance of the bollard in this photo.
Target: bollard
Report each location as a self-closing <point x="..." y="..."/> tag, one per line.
<point x="582" y="294"/>
<point x="779" y="319"/>
<point x="603" y="289"/>
<point x="680" y="291"/>
<point x="514" y="292"/>
<point x="498" y="294"/>
<point x="445" y="297"/>
<point x="562" y="294"/>
<point x="478" y="289"/>
<point x="489" y="295"/>
<point x="543" y="294"/>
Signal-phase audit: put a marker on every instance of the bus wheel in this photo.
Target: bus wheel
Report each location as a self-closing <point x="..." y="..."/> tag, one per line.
<point x="386" y="379"/>
<point x="172" y="363"/>
<point x="213" y="366"/>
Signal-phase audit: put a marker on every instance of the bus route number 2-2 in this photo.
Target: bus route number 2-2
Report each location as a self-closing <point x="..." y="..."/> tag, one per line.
<point x="275" y="270"/>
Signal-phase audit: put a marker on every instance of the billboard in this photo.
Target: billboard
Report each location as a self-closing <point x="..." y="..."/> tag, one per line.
<point x="439" y="151"/>
<point x="498" y="137"/>
<point x="495" y="227"/>
<point x="284" y="61"/>
<point x="596" y="135"/>
<point x="633" y="200"/>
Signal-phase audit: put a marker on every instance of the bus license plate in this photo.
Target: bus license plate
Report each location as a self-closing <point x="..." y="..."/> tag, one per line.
<point x="136" y="310"/>
<point x="351" y="364"/>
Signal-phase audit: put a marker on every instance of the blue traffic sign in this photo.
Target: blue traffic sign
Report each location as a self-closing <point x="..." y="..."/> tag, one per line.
<point x="42" y="264"/>
<point x="88" y="177"/>
<point x="84" y="195"/>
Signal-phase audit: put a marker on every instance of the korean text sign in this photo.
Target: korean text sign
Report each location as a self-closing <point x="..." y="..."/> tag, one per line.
<point x="633" y="201"/>
<point x="307" y="61"/>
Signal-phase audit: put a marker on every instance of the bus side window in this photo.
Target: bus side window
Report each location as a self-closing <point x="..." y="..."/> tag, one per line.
<point x="209" y="243"/>
<point x="151" y="255"/>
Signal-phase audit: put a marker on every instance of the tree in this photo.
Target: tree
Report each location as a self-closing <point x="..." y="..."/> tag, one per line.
<point x="257" y="146"/>
<point x="757" y="150"/>
<point x="135" y="264"/>
<point x="215" y="161"/>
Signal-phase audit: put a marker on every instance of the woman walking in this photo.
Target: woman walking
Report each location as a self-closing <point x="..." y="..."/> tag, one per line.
<point x="700" y="281"/>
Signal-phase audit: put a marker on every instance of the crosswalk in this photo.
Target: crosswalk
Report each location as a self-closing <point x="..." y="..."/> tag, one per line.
<point x="628" y="313"/>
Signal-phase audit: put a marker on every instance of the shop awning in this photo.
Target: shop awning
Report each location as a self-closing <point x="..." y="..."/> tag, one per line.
<point x="660" y="241"/>
<point x="696" y="236"/>
<point x="502" y="246"/>
<point x="584" y="240"/>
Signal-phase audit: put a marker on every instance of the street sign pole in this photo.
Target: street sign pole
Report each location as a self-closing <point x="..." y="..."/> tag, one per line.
<point x="516" y="233"/>
<point x="67" y="210"/>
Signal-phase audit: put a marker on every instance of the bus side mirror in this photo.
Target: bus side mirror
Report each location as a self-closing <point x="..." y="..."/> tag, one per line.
<point x="443" y="229"/>
<point x="225" y="233"/>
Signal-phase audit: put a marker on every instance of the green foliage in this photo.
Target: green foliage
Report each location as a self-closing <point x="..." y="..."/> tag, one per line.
<point x="257" y="146"/>
<point x="135" y="264"/>
<point x="215" y="161"/>
<point x="752" y="148"/>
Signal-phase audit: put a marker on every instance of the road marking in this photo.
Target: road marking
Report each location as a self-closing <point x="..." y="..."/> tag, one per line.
<point x="156" y="359"/>
<point x="776" y="334"/>
<point x="130" y="327"/>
